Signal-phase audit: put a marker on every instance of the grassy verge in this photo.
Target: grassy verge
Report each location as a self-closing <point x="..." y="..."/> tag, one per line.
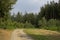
<point x="41" y="34"/>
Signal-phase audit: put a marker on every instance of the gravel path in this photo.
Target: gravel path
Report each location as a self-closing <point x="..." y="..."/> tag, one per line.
<point x="19" y="34"/>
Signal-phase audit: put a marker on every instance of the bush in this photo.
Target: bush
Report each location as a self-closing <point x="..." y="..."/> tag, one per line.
<point x="42" y="23"/>
<point x="19" y="25"/>
<point x="52" y="24"/>
<point x="28" y="25"/>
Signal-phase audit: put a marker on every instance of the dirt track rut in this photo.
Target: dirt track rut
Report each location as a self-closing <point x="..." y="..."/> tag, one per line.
<point x="19" y="34"/>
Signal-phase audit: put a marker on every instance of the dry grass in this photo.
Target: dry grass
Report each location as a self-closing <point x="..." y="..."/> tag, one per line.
<point x="41" y="32"/>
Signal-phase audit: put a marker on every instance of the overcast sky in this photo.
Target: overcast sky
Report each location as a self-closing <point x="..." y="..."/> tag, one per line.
<point x="29" y="5"/>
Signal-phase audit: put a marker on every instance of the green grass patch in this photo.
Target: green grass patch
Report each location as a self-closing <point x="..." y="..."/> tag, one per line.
<point x="44" y="37"/>
<point x="38" y="34"/>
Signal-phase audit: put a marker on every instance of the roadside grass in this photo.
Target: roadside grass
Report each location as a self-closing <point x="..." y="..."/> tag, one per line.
<point x="42" y="34"/>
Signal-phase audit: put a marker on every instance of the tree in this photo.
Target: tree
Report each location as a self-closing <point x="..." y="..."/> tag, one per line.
<point x="50" y="11"/>
<point x="59" y="1"/>
<point x="5" y="7"/>
<point x="30" y="18"/>
<point x="42" y="23"/>
<point x="19" y="17"/>
<point x="13" y="17"/>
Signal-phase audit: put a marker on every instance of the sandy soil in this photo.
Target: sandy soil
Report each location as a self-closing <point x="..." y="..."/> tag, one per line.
<point x="5" y="34"/>
<point x="19" y="34"/>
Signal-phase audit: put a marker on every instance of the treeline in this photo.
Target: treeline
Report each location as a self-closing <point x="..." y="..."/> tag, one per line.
<point x="30" y="18"/>
<point x="47" y="18"/>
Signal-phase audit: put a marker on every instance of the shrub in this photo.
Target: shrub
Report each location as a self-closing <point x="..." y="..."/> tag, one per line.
<point x="28" y="25"/>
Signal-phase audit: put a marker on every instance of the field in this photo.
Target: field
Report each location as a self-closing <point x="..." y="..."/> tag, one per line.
<point x="41" y="34"/>
<point x="36" y="34"/>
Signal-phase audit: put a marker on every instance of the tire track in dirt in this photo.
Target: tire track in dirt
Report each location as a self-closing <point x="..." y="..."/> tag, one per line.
<point x="19" y="34"/>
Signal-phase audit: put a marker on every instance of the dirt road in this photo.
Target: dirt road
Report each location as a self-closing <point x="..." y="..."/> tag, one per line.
<point x="19" y="34"/>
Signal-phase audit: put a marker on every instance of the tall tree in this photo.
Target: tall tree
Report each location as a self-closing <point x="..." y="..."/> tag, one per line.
<point x="50" y="11"/>
<point x="5" y="7"/>
<point x="29" y="17"/>
<point x="19" y="17"/>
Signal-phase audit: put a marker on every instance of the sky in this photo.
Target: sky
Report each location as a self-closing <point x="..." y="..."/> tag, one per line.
<point x="29" y="5"/>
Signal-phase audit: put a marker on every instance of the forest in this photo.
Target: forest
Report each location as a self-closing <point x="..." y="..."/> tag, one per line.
<point x="48" y="18"/>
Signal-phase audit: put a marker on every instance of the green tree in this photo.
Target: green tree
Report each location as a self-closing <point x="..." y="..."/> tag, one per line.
<point x="13" y="17"/>
<point x="42" y="23"/>
<point x="30" y="18"/>
<point x="5" y="7"/>
<point x="19" y="17"/>
<point x="50" y="11"/>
